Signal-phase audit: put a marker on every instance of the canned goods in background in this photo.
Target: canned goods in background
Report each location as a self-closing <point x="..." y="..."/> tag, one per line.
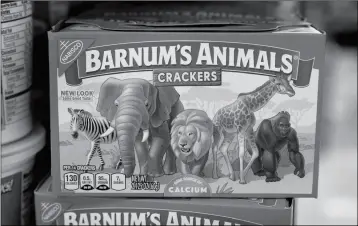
<point x="16" y="69"/>
<point x="14" y="10"/>
<point x="18" y="159"/>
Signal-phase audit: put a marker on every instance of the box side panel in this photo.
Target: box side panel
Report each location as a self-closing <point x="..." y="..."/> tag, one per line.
<point x="103" y="57"/>
<point x="319" y="124"/>
<point x="55" y="155"/>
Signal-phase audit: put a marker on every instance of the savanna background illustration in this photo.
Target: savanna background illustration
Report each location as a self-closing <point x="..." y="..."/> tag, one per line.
<point x="302" y="108"/>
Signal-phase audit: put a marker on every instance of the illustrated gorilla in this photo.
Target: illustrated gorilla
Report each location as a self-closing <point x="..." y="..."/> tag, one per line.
<point x="271" y="136"/>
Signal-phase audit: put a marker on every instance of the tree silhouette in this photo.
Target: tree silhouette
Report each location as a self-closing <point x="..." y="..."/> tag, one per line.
<point x="208" y="99"/>
<point x="296" y="108"/>
<point x="93" y="104"/>
<point x="260" y="114"/>
<point x="210" y="107"/>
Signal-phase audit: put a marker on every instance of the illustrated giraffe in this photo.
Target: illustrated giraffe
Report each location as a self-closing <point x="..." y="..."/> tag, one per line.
<point x="238" y="119"/>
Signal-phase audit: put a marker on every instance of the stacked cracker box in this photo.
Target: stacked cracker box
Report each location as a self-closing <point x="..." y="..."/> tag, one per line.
<point x="183" y="103"/>
<point x="67" y="210"/>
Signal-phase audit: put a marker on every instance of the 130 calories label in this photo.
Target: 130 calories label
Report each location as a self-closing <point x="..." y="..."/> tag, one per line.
<point x="16" y="54"/>
<point x="15" y="10"/>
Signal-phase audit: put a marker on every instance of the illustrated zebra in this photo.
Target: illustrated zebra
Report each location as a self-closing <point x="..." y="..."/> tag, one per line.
<point x="92" y="128"/>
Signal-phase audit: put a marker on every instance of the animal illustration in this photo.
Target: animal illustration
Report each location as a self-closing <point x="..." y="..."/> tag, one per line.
<point x="138" y="110"/>
<point x="271" y="136"/>
<point x="92" y="128"/>
<point x="191" y="140"/>
<point x="238" y="119"/>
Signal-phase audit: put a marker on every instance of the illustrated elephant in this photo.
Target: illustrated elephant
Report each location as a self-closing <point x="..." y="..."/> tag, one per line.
<point x="141" y="114"/>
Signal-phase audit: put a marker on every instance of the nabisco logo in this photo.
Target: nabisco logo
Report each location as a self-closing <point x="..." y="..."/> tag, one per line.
<point x="51" y="213"/>
<point x="71" y="51"/>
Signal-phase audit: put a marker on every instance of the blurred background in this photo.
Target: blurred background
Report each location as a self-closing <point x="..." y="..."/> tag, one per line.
<point x="337" y="201"/>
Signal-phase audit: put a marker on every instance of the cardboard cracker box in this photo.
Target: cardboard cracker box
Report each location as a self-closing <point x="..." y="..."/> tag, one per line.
<point x="68" y="210"/>
<point x="180" y="103"/>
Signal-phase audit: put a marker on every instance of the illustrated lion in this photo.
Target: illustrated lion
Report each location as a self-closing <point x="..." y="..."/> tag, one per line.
<point x="191" y="140"/>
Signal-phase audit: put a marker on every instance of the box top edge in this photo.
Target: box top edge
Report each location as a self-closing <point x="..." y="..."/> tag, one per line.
<point x="180" y="18"/>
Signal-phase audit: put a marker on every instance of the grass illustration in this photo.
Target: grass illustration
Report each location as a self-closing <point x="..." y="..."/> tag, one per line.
<point x="223" y="189"/>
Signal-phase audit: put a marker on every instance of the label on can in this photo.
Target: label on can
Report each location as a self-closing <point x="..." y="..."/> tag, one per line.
<point x="15" y="10"/>
<point x="16" y="199"/>
<point x="16" y="54"/>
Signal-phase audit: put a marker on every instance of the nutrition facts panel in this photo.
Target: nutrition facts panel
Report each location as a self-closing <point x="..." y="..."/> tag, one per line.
<point x="16" y="54"/>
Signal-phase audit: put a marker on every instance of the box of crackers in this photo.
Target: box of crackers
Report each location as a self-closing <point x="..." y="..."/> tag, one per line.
<point x="175" y="102"/>
<point x="69" y="210"/>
